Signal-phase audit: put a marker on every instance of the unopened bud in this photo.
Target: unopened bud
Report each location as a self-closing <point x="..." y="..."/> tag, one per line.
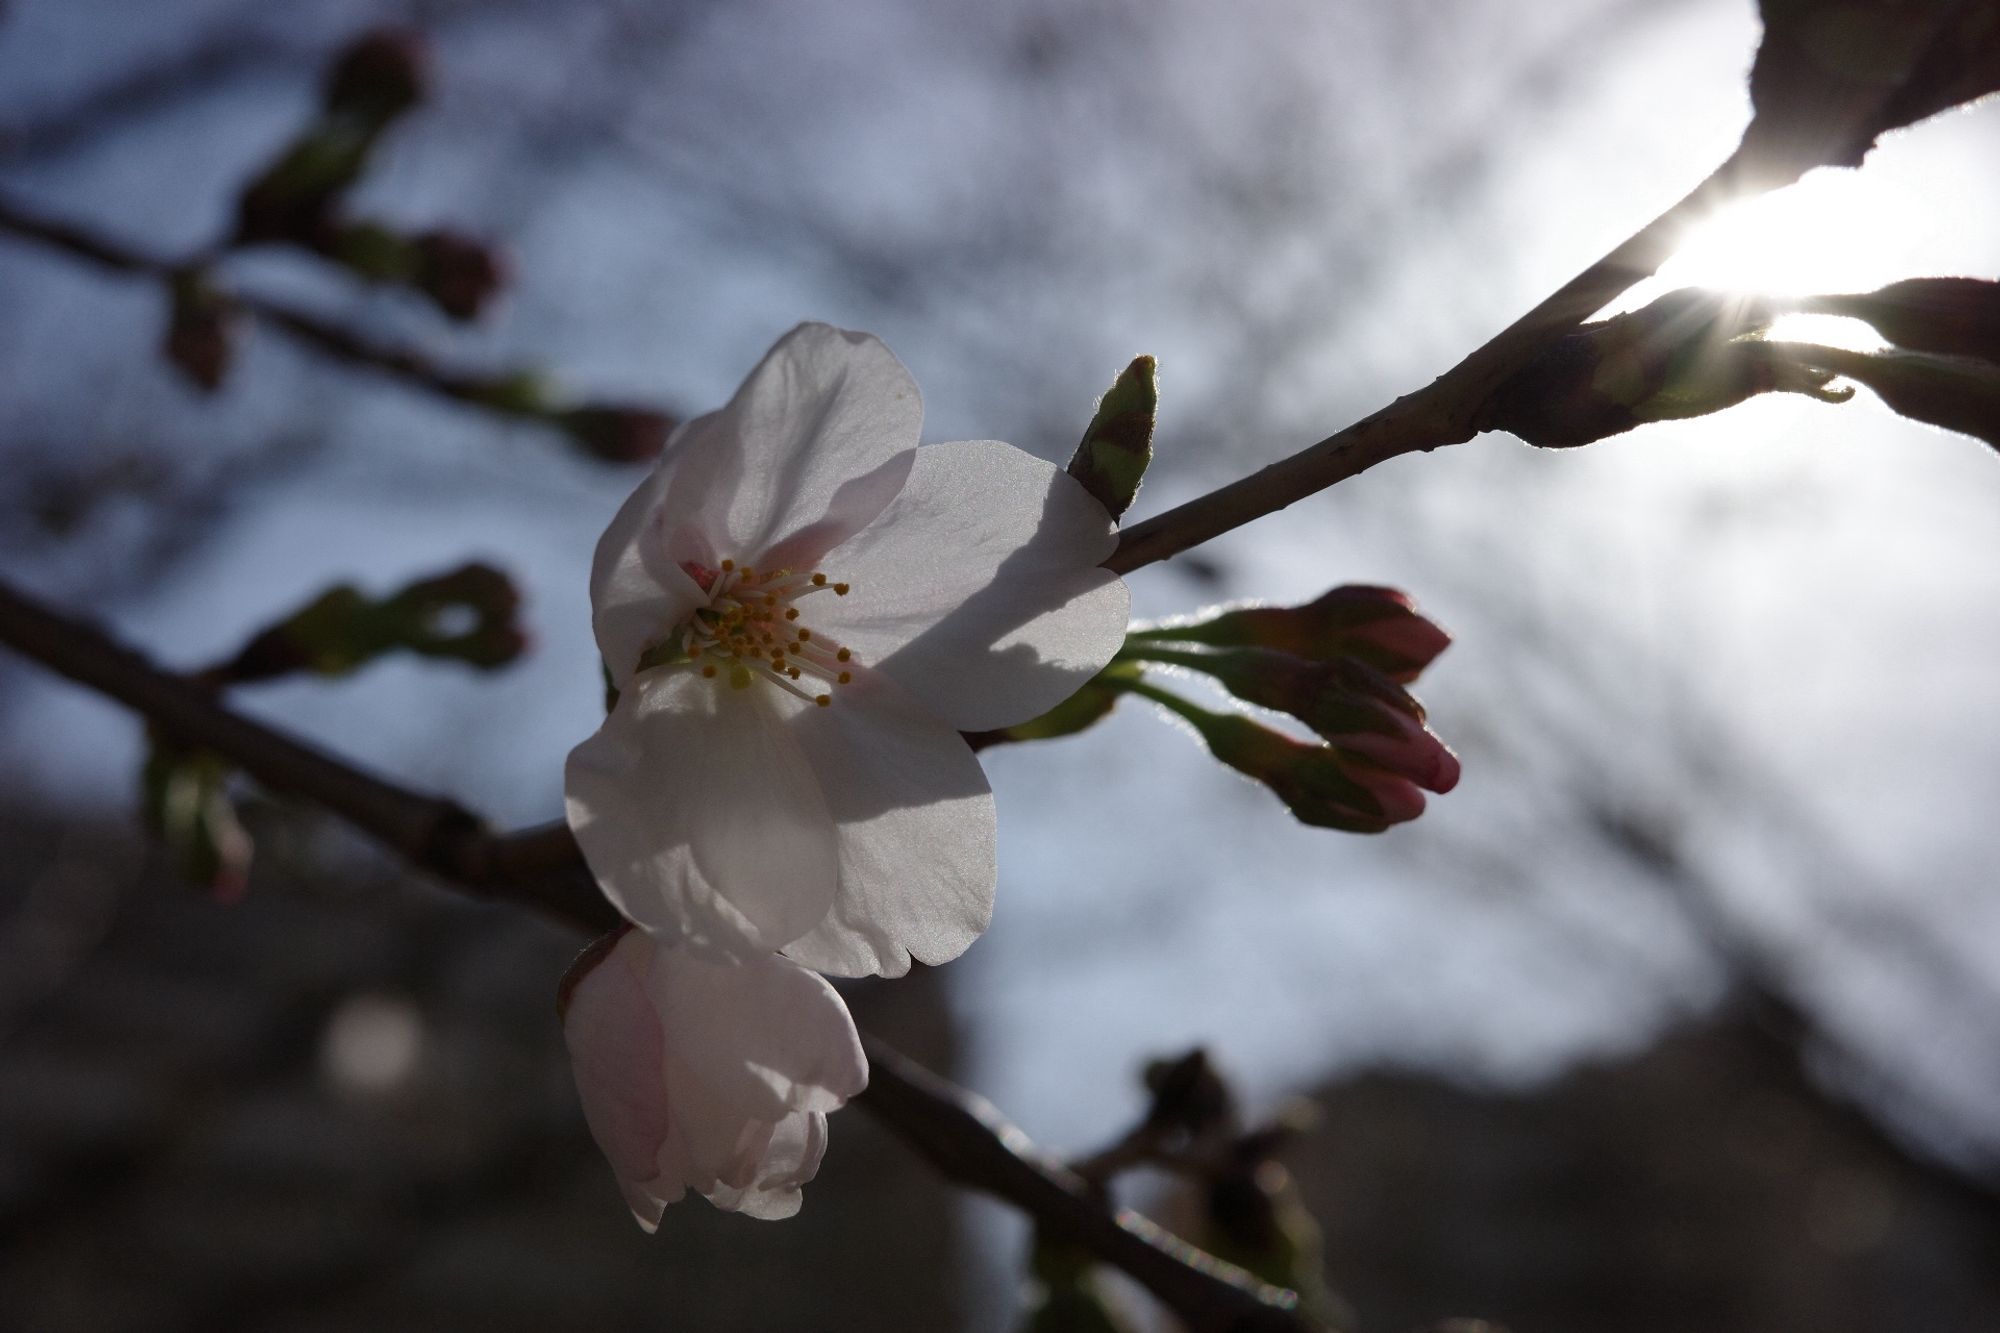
<point x="202" y="329"/>
<point x="1322" y="786"/>
<point x="1379" y="626"/>
<point x="467" y="614"/>
<point x="425" y="613"/>
<point x="1688" y="354"/>
<point x="187" y="803"/>
<point x="460" y="273"/>
<point x="1951" y="316"/>
<point x="617" y="434"/>
<point x="378" y="76"/>
<point x="1117" y="446"/>
<point x="1190" y="1098"/>
<point x="1959" y="393"/>
<point x="1352" y="706"/>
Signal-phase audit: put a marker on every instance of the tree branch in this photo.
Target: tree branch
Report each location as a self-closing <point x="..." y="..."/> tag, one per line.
<point x="501" y="393"/>
<point x="961" y="1134"/>
<point x="1449" y="409"/>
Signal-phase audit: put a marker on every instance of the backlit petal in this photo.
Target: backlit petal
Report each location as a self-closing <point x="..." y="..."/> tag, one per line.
<point x="978" y="588"/>
<point x="813" y="437"/>
<point x="915" y="821"/>
<point x="715" y="1077"/>
<point x="700" y="816"/>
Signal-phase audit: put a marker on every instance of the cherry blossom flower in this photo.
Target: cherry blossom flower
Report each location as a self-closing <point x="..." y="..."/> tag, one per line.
<point x="801" y="610"/>
<point x="706" y="1076"/>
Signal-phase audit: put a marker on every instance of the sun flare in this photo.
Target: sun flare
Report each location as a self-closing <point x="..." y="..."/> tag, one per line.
<point x="1831" y="232"/>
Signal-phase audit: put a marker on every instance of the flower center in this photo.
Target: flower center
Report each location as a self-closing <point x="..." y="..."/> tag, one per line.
<point x="750" y="630"/>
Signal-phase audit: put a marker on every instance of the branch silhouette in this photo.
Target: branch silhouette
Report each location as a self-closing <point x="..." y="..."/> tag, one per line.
<point x="614" y="432"/>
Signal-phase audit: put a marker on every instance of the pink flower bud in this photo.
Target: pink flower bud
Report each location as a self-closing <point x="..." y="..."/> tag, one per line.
<point x="1354" y="707"/>
<point x="1322" y="785"/>
<point x="379" y="75"/>
<point x="1380" y="626"/>
<point x="617" y="434"/>
<point x="458" y="272"/>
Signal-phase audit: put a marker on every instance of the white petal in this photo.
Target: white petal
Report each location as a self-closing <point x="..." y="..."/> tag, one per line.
<point x="617" y="1052"/>
<point x="914" y="816"/>
<point x="790" y="1158"/>
<point x="978" y="588"/>
<point x="711" y="1077"/>
<point x="813" y="436"/>
<point x="700" y="815"/>
<point x="762" y="1037"/>
<point x="637" y="592"/>
<point x="757" y="1053"/>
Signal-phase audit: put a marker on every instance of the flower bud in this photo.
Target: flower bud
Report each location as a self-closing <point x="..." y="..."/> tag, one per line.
<point x="422" y="617"/>
<point x="202" y="329"/>
<point x="460" y="273"/>
<point x="1951" y="316"/>
<point x="617" y="434"/>
<point x="1688" y="354"/>
<point x="1960" y="393"/>
<point x="467" y="614"/>
<point x="1351" y="705"/>
<point x="1190" y="1099"/>
<point x="378" y="76"/>
<point x="187" y="804"/>
<point x="1323" y="786"/>
<point x="1117" y="446"/>
<point x="1378" y="626"/>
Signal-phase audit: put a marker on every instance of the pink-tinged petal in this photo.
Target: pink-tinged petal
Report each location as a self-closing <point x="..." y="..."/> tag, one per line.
<point x="1398" y="798"/>
<point x="700" y="815"/>
<point x="978" y="589"/>
<point x="761" y="1037"/>
<point x="916" y="829"/>
<point x="790" y="1158"/>
<point x="637" y="592"/>
<point x="617" y="1053"/>
<point x="715" y="1077"/>
<point x="812" y="437"/>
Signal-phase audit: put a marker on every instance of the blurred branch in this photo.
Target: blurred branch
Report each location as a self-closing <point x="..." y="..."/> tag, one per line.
<point x="1450" y="410"/>
<point x="959" y="1133"/>
<point x="508" y="393"/>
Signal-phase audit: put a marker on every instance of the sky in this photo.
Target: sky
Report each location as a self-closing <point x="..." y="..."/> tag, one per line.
<point x="1763" y="636"/>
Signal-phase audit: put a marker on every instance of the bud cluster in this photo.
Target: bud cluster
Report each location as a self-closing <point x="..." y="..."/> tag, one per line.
<point x="298" y="199"/>
<point x="1249" y="1211"/>
<point x="1337" y="664"/>
<point x="1945" y="366"/>
<point x="468" y="614"/>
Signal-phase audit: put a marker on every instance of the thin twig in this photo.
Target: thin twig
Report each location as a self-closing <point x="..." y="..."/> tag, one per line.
<point x="542" y="868"/>
<point x="1448" y="410"/>
<point x="499" y="393"/>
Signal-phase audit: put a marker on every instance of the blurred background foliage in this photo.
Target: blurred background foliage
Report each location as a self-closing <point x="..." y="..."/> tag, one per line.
<point x="1679" y="1011"/>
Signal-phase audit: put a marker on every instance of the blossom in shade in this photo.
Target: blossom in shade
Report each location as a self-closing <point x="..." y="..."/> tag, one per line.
<point x="800" y="611"/>
<point x="715" y="1077"/>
